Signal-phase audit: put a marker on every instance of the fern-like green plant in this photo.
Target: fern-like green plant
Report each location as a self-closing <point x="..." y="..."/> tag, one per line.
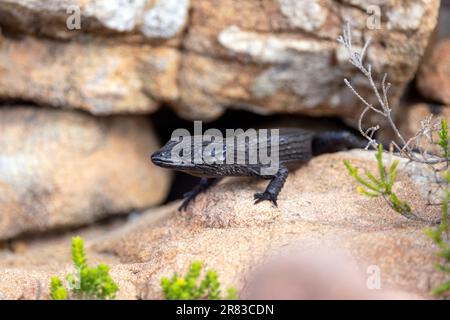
<point x="444" y="139"/>
<point x="381" y="186"/>
<point x="189" y="287"/>
<point x="57" y="290"/>
<point x="88" y="282"/>
<point x="440" y="236"/>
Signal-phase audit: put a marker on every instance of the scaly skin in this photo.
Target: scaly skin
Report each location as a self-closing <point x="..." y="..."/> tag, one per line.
<point x="296" y="147"/>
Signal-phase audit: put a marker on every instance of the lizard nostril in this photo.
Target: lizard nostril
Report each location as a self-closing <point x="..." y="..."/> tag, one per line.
<point x="156" y="157"/>
<point x="160" y="159"/>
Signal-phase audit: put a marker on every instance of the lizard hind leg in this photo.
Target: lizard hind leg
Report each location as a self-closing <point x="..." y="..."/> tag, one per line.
<point x="274" y="187"/>
<point x="203" y="185"/>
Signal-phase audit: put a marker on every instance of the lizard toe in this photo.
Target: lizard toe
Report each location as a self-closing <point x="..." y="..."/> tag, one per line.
<point x="265" y="196"/>
<point x="187" y="200"/>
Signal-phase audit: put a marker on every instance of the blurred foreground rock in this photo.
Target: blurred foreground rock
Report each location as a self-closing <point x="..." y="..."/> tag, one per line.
<point x="64" y="168"/>
<point x="274" y="56"/>
<point x="317" y="274"/>
<point x="230" y="234"/>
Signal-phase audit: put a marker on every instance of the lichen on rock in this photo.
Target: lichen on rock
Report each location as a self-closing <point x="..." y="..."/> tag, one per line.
<point x="166" y="19"/>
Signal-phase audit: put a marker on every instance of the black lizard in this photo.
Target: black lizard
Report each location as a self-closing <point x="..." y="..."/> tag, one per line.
<point x="295" y="147"/>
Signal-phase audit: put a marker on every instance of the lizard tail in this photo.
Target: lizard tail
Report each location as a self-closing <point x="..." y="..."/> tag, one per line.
<point x="333" y="141"/>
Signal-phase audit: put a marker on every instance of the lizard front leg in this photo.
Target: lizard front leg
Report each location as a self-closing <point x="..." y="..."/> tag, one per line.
<point x="274" y="187"/>
<point x="203" y="185"/>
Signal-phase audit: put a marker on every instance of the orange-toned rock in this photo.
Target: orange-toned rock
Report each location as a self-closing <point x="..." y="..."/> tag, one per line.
<point x="271" y="56"/>
<point x="64" y="168"/>
<point x="282" y="55"/>
<point x="102" y="78"/>
<point x="225" y="230"/>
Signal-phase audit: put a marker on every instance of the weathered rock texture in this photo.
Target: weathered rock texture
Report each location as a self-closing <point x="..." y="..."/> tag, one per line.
<point x="266" y="56"/>
<point x="229" y="233"/>
<point x="148" y="19"/>
<point x="64" y="168"/>
<point x="102" y="78"/>
<point x="306" y="275"/>
<point x="433" y="79"/>
<point x="282" y="56"/>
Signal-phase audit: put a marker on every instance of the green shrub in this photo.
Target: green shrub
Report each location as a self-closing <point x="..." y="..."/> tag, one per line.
<point x="57" y="290"/>
<point x="440" y="237"/>
<point x="189" y="288"/>
<point x="88" y="282"/>
<point x="381" y="186"/>
<point x="443" y="139"/>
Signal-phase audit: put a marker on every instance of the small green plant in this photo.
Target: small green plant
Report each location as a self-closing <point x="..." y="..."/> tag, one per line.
<point x="189" y="288"/>
<point x="88" y="282"/>
<point x="440" y="237"/>
<point x="57" y="290"/>
<point x="444" y="139"/>
<point x="381" y="186"/>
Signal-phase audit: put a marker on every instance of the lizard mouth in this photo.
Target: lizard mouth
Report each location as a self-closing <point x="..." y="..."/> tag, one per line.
<point x="160" y="161"/>
<point x="166" y="162"/>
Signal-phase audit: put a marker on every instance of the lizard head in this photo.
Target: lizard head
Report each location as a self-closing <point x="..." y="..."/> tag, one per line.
<point x="187" y="156"/>
<point x="163" y="157"/>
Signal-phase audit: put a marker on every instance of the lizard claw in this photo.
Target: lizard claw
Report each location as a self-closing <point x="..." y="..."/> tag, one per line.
<point x="188" y="198"/>
<point x="200" y="188"/>
<point x="183" y="206"/>
<point x="266" y="196"/>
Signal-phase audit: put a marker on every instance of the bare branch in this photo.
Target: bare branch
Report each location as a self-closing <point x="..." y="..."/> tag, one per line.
<point x="368" y="105"/>
<point x="408" y="149"/>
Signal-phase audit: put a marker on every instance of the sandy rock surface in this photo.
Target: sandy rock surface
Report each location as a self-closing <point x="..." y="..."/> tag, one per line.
<point x="231" y="235"/>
